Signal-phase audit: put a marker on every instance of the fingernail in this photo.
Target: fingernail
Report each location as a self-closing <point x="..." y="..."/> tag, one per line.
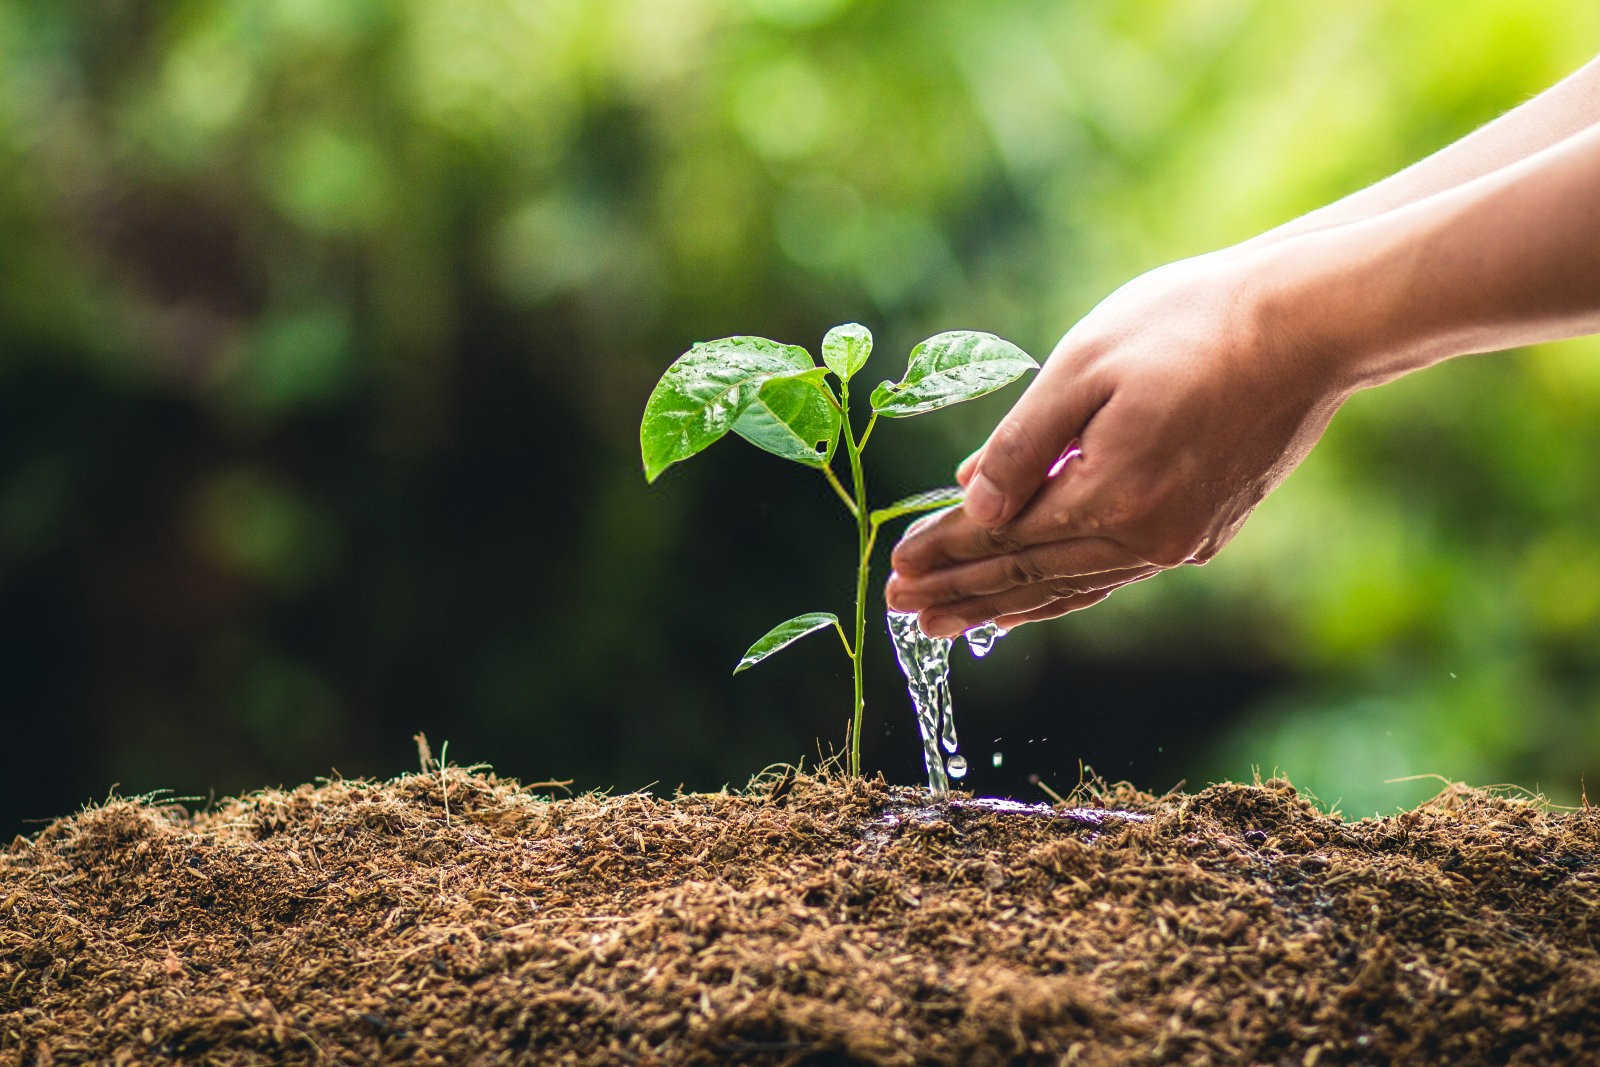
<point x="891" y="592"/>
<point x="984" y="502"/>
<point x="940" y="626"/>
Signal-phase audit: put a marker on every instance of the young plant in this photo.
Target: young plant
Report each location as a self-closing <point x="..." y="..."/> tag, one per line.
<point x="777" y="398"/>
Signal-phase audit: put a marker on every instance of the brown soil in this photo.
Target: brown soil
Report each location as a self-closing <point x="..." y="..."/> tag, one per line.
<point x="804" y="921"/>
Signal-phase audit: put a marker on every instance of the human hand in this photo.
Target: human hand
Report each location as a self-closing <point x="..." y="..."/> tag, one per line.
<point x="1190" y="395"/>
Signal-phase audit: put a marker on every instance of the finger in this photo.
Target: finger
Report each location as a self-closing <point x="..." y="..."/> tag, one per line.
<point x="967" y="466"/>
<point x="1052" y="611"/>
<point x="970" y="464"/>
<point x="1059" y="513"/>
<point x="952" y="537"/>
<point x="922" y="524"/>
<point x="947" y="620"/>
<point x="1020" y="453"/>
<point x="1066" y="566"/>
<point x="921" y="547"/>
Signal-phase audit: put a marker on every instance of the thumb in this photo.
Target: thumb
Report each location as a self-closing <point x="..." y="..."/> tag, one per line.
<point x="1022" y="451"/>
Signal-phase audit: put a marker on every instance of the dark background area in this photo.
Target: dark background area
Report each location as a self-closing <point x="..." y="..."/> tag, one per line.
<point x="325" y="330"/>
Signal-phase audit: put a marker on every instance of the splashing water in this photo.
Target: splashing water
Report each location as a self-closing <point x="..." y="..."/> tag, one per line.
<point x="926" y="663"/>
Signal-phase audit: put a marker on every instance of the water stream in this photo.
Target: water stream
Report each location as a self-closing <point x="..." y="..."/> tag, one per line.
<point x="926" y="663"/>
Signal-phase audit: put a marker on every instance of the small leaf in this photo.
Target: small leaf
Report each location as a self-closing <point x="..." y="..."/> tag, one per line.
<point x="704" y="392"/>
<point x="792" y="416"/>
<point x="845" y="349"/>
<point x="918" y="502"/>
<point x="785" y="634"/>
<point x="949" y="368"/>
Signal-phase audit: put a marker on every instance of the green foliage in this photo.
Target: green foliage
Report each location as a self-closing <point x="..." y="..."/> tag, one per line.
<point x="845" y="349"/>
<point x="777" y="399"/>
<point x="950" y="368"/>
<point x="327" y="242"/>
<point x="787" y="633"/>
<point x="929" y="500"/>
<point x="793" y="416"/>
<point x="708" y="389"/>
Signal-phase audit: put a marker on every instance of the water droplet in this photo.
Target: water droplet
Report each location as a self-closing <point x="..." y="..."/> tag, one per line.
<point x="999" y="758"/>
<point x="957" y="766"/>
<point x="980" y="639"/>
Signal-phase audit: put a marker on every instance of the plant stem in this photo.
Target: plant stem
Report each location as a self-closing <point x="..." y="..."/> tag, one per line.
<point x="833" y="480"/>
<point x="843" y="640"/>
<point x="864" y="538"/>
<point x="861" y="446"/>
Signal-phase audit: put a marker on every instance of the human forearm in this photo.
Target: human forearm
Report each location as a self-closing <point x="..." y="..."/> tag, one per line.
<point x="1509" y="258"/>
<point x="1557" y="113"/>
<point x="1195" y="389"/>
<point x="1167" y="414"/>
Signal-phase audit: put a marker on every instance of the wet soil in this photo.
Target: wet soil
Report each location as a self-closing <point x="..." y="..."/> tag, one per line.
<point x="460" y="918"/>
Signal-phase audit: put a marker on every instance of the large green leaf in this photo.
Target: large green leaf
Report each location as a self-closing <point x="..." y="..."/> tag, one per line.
<point x="918" y="502"/>
<point x="845" y="349"/>
<point x="793" y="416"/>
<point x="785" y="634"/>
<point x="704" y="392"/>
<point x="949" y="368"/>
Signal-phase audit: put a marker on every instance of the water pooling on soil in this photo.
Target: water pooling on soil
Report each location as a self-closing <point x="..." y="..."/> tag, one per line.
<point x="926" y="663"/>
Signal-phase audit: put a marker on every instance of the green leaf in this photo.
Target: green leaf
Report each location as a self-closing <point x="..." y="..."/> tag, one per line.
<point x="949" y="368"/>
<point x="917" y="502"/>
<point x="704" y="392"/>
<point x="793" y="415"/>
<point x="845" y="349"/>
<point x="785" y="634"/>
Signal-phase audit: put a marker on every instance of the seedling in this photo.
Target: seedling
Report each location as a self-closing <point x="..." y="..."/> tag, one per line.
<point x="776" y="397"/>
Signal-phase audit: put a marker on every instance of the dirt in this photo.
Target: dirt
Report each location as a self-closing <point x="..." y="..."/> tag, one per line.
<point x="455" y="917"/>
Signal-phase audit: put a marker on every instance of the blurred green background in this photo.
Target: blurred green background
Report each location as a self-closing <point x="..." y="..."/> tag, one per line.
<point x="326" y="325"/>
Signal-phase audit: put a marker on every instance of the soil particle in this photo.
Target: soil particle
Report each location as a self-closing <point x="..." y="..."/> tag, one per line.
<point x="803" y="921"/>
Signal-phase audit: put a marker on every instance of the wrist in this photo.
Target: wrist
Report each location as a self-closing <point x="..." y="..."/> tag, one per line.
<point x="1290" y="339"/>
<point x="1333" y="300"/>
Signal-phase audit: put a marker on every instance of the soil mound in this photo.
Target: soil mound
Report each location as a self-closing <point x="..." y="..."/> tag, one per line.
<point x="457" y="917"/>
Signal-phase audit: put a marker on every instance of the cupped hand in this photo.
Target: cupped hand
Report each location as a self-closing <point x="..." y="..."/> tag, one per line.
<point x="1156" y="426"/>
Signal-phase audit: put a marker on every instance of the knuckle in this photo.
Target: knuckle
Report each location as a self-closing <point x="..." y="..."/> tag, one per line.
<point x="1017" y="569"/>
<point x="994" y="542"/>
